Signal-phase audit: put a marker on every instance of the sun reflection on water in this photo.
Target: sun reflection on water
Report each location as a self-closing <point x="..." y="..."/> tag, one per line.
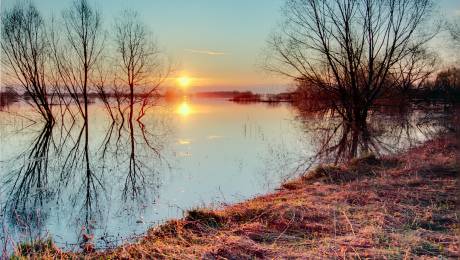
<point x="184" y="109"/>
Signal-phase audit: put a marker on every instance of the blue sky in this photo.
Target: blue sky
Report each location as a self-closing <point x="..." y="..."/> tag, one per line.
<point x="217" y="42"/>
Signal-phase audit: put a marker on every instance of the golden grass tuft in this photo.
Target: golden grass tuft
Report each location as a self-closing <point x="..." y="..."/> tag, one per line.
<point x="45" y="248"/>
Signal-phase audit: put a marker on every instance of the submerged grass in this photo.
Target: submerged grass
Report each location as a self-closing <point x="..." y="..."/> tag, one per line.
<point x="398" y="207"/>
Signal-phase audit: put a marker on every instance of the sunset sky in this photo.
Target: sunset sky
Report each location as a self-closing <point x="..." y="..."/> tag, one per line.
<point x="217" y="43"/>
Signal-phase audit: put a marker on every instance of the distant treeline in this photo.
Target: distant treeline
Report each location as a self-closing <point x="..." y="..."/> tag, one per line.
<point x="445" y="85"/>
<point x="249" y="97"/>
<point x="10" y="95"/>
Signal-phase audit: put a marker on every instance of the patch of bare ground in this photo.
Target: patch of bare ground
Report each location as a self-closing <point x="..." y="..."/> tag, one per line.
<point x="398" y="207"/>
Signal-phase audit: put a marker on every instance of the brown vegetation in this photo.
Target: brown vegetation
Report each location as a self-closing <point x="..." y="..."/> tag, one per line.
<point x="391" y="207"/>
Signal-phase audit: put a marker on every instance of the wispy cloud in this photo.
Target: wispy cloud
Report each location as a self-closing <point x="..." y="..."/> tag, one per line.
<point x="206" y="52"/>
<point x="184" y="141"/>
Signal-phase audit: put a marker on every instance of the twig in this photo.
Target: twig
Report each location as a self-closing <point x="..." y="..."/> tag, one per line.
<point x="349" y="223"/>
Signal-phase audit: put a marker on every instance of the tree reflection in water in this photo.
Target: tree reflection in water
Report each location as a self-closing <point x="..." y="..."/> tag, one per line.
<point x="63" y="170"/>
<point x="66" y="177"/>
<point x="386" y="130"/>
<point x="29" y="187"/>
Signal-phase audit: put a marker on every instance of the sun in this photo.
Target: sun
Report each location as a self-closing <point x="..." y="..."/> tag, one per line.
<point x="184" y="81"/>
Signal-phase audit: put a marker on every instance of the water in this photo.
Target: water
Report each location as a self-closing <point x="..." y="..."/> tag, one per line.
<point x="181" y="155"/>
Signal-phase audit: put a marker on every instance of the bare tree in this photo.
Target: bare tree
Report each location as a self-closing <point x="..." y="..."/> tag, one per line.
<point x="76" y="55"/>
<point x="75" y="58"/>
<point x="454" y="29"/>
<point x="413" y="71"/>
<point x="25" y="51"/>
<point x="104" y="96"/>
<point x="140" y="61"/>
<point x="348" y="49"/>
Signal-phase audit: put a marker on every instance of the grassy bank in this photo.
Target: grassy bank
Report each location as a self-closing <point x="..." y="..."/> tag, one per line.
<point x="391" y="207"/>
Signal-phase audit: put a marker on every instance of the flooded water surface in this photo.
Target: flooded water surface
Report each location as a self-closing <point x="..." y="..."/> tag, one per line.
<point x="117" y="179"/>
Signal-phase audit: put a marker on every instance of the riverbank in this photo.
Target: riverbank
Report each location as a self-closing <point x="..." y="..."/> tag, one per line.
<point x="402" y="206"/>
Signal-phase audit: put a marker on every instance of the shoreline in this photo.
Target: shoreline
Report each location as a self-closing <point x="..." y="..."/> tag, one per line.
<point x="399" y="206"/>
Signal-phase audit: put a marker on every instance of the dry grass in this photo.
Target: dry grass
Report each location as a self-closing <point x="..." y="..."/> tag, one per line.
<point x="394" y="208"/>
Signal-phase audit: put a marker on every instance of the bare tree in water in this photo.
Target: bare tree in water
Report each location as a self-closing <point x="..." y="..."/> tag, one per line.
<point x="76" y="57"/>
<point x="100" y="83"/>
<point x="25" y="52"/>
<point x="351" y="51"/>
<point x="140" y="61"/>
<point x="77" y="53"/>
<point x="140" y="68"/>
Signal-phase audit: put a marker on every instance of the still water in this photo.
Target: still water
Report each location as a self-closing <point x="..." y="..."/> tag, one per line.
<point x="131" y="175"/>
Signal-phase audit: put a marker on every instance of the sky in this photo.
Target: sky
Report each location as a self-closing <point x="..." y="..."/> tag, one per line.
<point x="217" y="43"/>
